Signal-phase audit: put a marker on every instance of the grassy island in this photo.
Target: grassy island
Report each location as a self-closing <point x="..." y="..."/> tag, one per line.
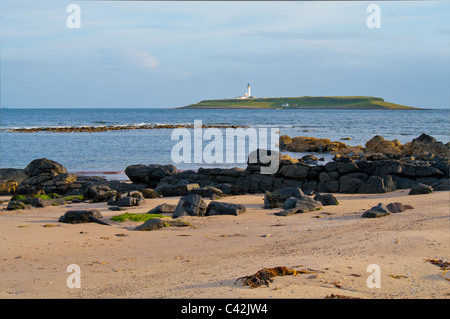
<point x="305" y="102"/>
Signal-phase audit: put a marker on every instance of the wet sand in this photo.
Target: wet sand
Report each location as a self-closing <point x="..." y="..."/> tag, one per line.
<point x="334" y="244"/>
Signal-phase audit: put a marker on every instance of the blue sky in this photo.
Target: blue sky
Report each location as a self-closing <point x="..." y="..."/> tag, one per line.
<point x="170" y="54"/>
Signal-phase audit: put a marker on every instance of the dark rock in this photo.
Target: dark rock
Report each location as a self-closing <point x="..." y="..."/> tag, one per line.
<point x="163" y="209"/>
<point x="420" y="189"/>
<point x="295" y="171"/>
<point x="221" y="208"/>
<point x="16" y="204"/>
<point x="208" y="191"/>
<point x="13" y="175"/>
<point x="305" y="204"/>
<point x="151" y="224"/>
<point x="326" y="199"/>
<point x="276" y="199"/>
<point x="347" y="168"/>
<point x="192" y="205"/>
<point x="351" y="183"/>
<point x="43" y="165"/>
<point x="398" y="207"/>
<point x="375" y="184"/>
<point x="82" y="216"/>
<point x="324" y="177"/>
<point x="149" y="174"/>
<point x="39" y="202"/>
<point x="376" y="211"/>
<point x="402" y="182"/>
<point x="288" y="212"/>
<point x="333" y="186"/>
<point x="443" y="185"/>
<point x="98" y="193"/>
<point x="181" y="189"/>
<point x="127" y="201"/>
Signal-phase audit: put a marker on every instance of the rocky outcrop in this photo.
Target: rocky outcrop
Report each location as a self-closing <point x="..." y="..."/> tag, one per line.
<point x="423" y="147"/>
<point x="345" y="174"/>
<point x="378" y="144"/>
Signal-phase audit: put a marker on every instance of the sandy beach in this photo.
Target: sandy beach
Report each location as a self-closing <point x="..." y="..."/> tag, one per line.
<point x="334" y="245"/>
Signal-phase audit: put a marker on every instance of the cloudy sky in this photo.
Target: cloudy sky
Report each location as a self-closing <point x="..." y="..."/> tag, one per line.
<point x="170" y="54"/>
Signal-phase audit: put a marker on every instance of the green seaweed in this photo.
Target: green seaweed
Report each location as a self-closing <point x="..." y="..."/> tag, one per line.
<point x="142" y="217"/>
<point x="73" y="197"/>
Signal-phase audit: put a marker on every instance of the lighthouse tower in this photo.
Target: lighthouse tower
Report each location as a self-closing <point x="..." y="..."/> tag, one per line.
<point x="248" y="91"/>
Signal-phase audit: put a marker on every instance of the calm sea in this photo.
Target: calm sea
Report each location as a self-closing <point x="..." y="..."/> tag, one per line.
<point x="113" y="151"/>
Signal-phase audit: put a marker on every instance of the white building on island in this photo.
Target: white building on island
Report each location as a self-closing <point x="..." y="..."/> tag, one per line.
<point x="247" y="95"/>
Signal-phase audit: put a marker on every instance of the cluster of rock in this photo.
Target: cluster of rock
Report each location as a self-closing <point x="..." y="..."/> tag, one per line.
<point x="189" y="205"/>
<point x="384" y="210"/>
<point x="423" y="147"/>
<point x="104" y="128"/>
<point x="342" y="175"/>
<point x="294" y="201"/>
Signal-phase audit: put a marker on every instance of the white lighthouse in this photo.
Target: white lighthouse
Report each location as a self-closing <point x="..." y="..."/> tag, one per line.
<point x="247" y="95"/>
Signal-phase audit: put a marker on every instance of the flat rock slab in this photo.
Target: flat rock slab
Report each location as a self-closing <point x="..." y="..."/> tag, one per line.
<point x="398" y="207"/>
<point x="82" y="216"/>
<point x="221" y="208"/>
<point x="376" y="211"/>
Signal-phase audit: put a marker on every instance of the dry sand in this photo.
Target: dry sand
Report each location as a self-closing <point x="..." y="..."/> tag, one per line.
<point x="204" y="262"/>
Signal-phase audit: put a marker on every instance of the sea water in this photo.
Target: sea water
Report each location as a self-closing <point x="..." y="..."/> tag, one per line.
<point x="113" y="151"/>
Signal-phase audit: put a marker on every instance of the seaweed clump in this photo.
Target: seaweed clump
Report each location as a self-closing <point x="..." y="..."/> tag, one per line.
<point x="265" y="276"/>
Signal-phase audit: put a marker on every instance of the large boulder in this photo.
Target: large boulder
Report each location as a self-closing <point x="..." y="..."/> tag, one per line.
<point x="420" y="189"/>
<point x="276" y="199"/>
<point x="149" y="174"/>
<point x="326" y="199"/>
<point x="99" y="193"/>
<point x="378" y="144"/>
<point x="192" y="205"/>
<point x="425" y="144"/>
<point x="44" y="165"/>
<point x="221" y="208"/>
<point x="351" y="183"/>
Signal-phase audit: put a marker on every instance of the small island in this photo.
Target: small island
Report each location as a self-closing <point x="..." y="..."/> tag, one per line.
<point x="305" y="102"/>
<point x="248" y="101"/>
